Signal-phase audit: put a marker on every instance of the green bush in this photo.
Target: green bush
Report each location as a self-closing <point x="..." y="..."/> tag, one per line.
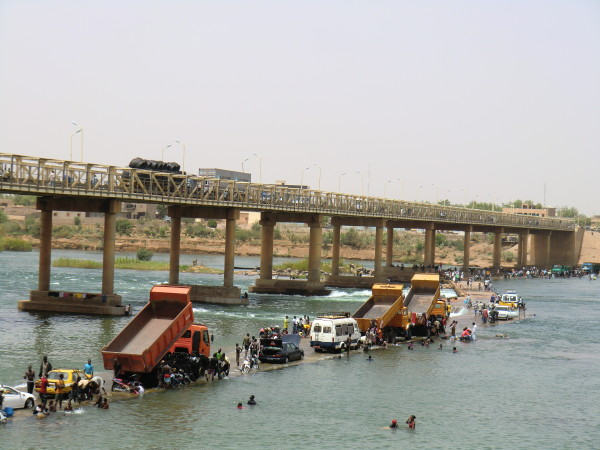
<point x="143" y="254"/>
<point x="508" y="256"/>
<point x="32" y="227"/>
<point x="211" y="223"/>
<point x="124" y="227"/>
<point x="16" y="245"/>
<point x="77" y="221"/>
<point x="3" y="216"/>
<point x="24" y="200"/>
<point x="198" y="230"/>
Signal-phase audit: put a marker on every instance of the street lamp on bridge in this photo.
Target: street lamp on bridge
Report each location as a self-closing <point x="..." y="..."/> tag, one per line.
<point x="183" y="159"/>
<point x="259" y="165"/>
<point x="162" y="152"/>
<point x="80" y="130"/>
<point x="417" y="193"/>
<point x="340" y="181"/>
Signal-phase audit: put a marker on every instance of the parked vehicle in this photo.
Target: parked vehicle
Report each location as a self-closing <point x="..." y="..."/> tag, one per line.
<point x="163" y="329"/>
<point x="510" y="298"/>
<point x="331" y="332"/>
<point x="587" y="268"/>
<point x="506" y="312"/>
<point x="16" y="399"/>
<point x="144" y="341"/>
<point x="70" y="376"/>
<point x="249" y="363"/>
<point x="280" y="350"/>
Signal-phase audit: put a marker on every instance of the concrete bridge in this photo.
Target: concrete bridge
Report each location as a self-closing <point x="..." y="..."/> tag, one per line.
<point x="76" y="186"/>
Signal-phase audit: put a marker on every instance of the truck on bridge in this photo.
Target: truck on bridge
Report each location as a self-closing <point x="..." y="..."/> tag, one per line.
<point x="164" y="325"/>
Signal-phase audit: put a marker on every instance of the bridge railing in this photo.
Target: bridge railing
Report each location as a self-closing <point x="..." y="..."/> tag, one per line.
<point x="42" y="176"/>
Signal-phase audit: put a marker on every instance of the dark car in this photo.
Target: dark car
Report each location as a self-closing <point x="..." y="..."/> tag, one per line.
<point x="278" y="351"/>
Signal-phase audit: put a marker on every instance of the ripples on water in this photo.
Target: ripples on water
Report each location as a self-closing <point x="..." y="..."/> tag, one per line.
<point x="535" y="389"/>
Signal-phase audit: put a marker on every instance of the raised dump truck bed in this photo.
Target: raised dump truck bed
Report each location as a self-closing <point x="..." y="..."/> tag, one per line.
<point x="382" y="307"/>
<point x="145" y="340"/>
<point x="423" y="294"/>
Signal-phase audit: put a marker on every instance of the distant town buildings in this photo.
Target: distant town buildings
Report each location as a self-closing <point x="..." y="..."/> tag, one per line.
<point x="529" y="210"/>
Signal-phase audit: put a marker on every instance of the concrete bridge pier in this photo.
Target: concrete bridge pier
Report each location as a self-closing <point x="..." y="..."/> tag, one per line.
<point x="175" y="250"/>
<point x="45" y="249"/>
<point x="313" y="284"/>
<point x="497" y="250"/>
<point x="389" y="247"/>
<point x="541" y="246"/>
<point x="228" y="294"/>
<point x="44" y="299"/>
<point x="356" y="280"/>
<point x="108" y="252"/>
<point x="467" y="249"/>
<point x="522" y="246"/>
<point x="429" y="250"/>
<point x="378" y="260"/>
<point x="563" y="249"/>
<point x="335" y="251"/>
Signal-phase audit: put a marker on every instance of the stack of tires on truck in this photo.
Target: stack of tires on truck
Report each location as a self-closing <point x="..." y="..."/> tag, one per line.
<point x="399" y="316"/>
<point x="163" y="330"/>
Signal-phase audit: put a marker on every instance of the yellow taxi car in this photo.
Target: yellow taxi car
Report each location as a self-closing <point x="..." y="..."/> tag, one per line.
<point x="511" y="299"/>
<point x="70" y="376"/>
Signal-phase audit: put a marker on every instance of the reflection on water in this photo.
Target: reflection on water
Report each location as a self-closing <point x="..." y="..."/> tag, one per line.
<point x="538" y="382"/>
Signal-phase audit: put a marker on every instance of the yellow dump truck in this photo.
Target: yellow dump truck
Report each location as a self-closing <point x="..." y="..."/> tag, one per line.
<point x="385" y="310"/>
<point x="423" y="301"/>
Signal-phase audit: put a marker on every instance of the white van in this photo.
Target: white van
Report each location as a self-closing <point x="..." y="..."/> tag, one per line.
<point x="329" y="333"/>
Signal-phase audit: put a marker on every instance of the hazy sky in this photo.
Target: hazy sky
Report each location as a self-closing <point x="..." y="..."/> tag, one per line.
<point x="481" y="98"/>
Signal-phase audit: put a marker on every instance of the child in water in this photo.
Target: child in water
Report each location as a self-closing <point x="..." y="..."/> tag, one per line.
<point x="454" y="350"/>
<point x="411" y="422"/>
<point x="394" y="424"/>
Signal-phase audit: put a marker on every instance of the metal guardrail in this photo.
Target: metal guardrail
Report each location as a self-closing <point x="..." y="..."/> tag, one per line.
<point x="42" y="176"/>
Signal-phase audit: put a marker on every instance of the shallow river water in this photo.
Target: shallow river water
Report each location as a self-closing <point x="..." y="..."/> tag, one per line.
<point x="538" y="388"/>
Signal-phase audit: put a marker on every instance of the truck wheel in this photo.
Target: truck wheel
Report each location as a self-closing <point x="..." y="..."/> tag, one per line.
<point x="287" y="360"/>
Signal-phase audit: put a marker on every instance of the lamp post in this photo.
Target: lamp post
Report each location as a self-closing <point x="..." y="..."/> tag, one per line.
<point x="385" y="183"/>
<point x="80" y="130"/>
<point x="340" y="181"/>
<point x="162" y="152"/>
<point x="183" y="159"/>
<point x="259" y="165"/>
<point x="302" y="177"/>
<point x="417" y="193"/>
<point x="435" y="186"/>
<point x="318" y="167"/>
<point x="475" y="200"/>
<point x="464" y="195"/>
<point x="71" y="154"/>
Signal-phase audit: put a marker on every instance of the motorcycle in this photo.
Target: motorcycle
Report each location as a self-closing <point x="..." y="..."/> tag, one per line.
<point x="249" y="364"/>
<point x="121" y="385"/>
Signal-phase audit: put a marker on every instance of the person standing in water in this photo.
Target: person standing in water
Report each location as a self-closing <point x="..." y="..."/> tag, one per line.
<point x="411" y="422"/>
<point x="30" y="377"/>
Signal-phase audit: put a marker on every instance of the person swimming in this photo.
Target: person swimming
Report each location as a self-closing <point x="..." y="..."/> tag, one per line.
<point x="411" y="422"/>
<point x="251" y="400"/>
<point x="454" y="350"/>
<point x="240" y="406"/>
<point x="370" y="358"/>
<point x="394" y="424"/>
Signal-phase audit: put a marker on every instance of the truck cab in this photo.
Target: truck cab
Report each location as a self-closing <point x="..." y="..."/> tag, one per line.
<point x="195" y="341"/>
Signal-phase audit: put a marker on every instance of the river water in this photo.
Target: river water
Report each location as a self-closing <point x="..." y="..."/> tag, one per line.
<point x="538" y="388"/>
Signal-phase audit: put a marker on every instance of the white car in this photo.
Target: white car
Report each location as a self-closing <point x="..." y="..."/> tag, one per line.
<point x="506" y="312"/>
<point x="16" y="399"/>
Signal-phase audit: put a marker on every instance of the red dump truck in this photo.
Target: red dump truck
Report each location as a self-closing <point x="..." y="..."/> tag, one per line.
<point x="144" y="341"/>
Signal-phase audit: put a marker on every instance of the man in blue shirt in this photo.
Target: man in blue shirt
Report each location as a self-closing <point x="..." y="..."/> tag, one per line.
<point x="89" y="368"/>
